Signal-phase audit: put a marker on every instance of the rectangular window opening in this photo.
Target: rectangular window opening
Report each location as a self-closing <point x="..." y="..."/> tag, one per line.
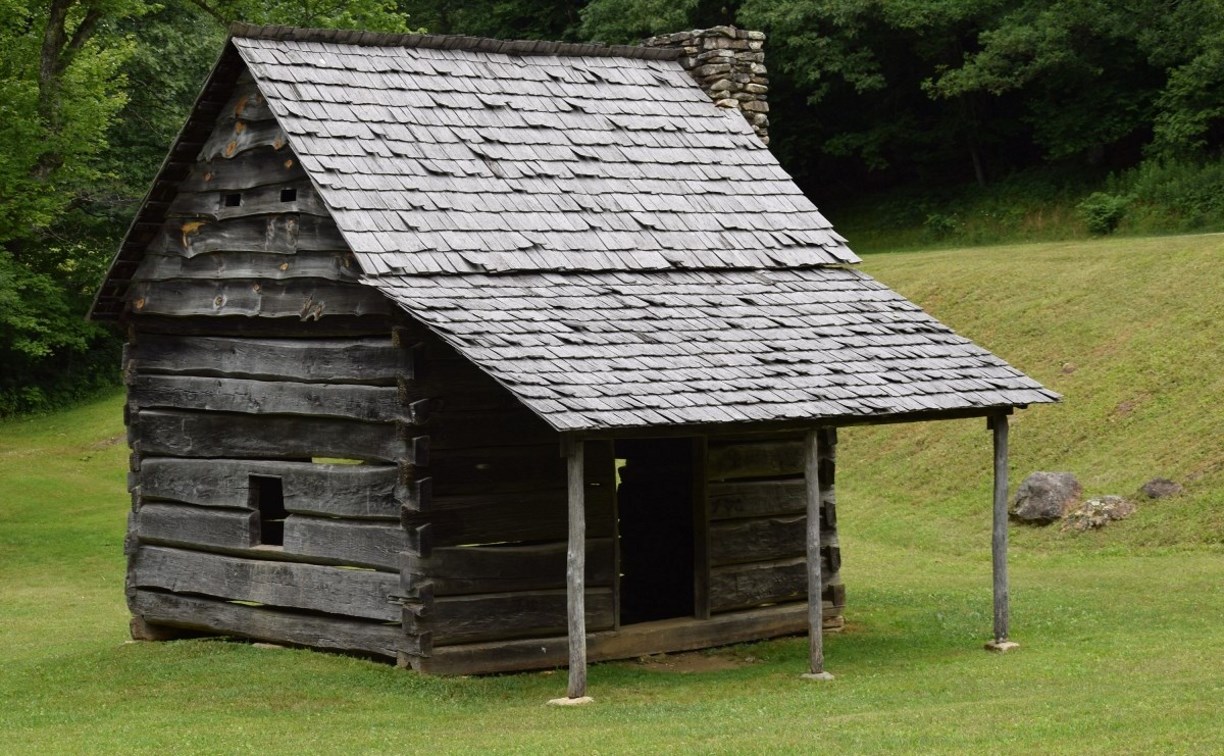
<point x="268" y="498"/>
<point x="233" y="200"/>
<point x="288" y="195"/>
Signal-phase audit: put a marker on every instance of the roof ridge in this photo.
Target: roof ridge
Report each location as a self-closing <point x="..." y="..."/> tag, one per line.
<point x="450" y="42"/>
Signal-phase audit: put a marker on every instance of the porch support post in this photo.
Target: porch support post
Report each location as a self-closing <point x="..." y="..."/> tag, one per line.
<point x="811" y="474"/>
<point x="1001" y="643"/>
<point x="575" y="572"/>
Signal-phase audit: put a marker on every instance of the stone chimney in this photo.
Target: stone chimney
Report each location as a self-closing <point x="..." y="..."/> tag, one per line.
<point x="729" y="64"/>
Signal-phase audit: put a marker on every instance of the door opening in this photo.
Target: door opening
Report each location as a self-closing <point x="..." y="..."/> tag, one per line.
<point x="654" y="497"/>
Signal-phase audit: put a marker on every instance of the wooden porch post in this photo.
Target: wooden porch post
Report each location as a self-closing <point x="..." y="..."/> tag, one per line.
<point x="998" y="544"/>
<point x="811" y="474"/>
<point x="575" y="572"/>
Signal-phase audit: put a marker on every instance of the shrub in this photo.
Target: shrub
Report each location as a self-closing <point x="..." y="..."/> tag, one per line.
<point x="1102" y="212"/>
<point x="940" y="226"/>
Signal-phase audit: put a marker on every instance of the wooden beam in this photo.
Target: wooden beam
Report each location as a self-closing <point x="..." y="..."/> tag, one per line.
<point x="811" y="458"/>
<point x="575" y="571"/>
<point x="662" y="636"/>
<point x="998" y="424"/>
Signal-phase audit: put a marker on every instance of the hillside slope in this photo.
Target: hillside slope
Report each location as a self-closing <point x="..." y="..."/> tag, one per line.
<point x="1128" y="330"/>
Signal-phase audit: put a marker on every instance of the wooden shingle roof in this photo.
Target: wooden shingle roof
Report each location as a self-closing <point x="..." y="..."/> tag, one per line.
<point x="467" y="161"/>
<point x="586" y="226"/>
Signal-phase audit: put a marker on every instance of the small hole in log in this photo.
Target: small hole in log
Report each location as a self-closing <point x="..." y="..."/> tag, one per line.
<point x="288" y="195"/>
<point x="268" y="498"/>
<point x="233" y="200"/>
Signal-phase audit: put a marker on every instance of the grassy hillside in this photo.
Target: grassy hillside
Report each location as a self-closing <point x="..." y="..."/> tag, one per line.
<point x="1120" y="629"/>
<point x="1129" y="331"/>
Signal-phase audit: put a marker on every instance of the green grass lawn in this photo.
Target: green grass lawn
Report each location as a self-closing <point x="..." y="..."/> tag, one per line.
<point x="1122" y="631"/>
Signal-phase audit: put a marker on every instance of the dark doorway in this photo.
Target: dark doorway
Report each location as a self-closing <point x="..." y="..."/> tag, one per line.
<point x="655" y="510"/>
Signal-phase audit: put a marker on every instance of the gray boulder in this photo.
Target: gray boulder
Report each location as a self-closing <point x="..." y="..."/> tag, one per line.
<point x="1044" y="497"/>
<point x="1159" y="488"/>
<point x="1098" y="512"/>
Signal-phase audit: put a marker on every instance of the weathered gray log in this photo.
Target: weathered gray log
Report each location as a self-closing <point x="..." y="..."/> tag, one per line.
<point x="513" y="426"/>
<point x="263" y="623"/>
<point x="366" y="361"/>
<point x="310" y="299"/>
<point x="755" y="459"/>
<point x="331" y="327"/>
<point x="285" y="234"/>
<point x="252" y="168"/>
<point x="756" y="498"/>
<point x="246" y="102"/>
<point x="815" y="583"/>
<point x="368" y="403"/>
<point x="330" y="266"/>
<point x="336" y="490"/>
<point x="508" y="517"/>
<point x="744" y="585"/>
<point x="497" y="470"/>
<point x="575" y="572"/>
<point x="460" y="570"/>
<point x="501" y="616"/>
<point x="756" y="540"/>
<point x="217" y="434"/>
<point x="290" y="197"/>
<point x="236" y="137"/>
<point x="681" y="634"/>
<point x="366" y="544"/>
<point x="182" y="524"/>
<point x="335" y="590"/>
<point x="999" y="531"/>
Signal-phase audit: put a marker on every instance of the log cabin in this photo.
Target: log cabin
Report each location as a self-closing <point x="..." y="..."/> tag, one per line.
<point x="486" y="356"/>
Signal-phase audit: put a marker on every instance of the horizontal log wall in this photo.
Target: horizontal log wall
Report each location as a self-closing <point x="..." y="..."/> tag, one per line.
<point x="258" y="371"/>
<point x="486" y="516"/>
<point x="758" y="525"/>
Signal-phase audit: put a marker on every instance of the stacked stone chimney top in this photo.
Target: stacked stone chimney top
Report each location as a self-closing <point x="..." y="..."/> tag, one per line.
<point x="729" y="64"/>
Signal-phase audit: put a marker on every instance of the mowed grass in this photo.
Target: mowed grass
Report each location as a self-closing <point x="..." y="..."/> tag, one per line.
<point x="1122" y="631"/>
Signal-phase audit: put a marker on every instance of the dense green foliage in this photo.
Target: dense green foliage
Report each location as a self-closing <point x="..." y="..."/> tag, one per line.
<point x="1119" y="629"/>
<point x="920" y="120"/>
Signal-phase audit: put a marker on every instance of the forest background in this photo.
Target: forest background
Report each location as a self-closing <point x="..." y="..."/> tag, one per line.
<point x="908" y="122"/>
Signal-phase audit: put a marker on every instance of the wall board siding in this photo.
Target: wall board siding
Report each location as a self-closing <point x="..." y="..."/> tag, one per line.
<point x="484" y="469"/>
<point x="301" y="299"/>
<point x="283" y="234"/>
<point x="238" y="136"/>
<point x="184" y="524"/>
<point x="365" y="544"/>
<point x="336" y="490"/>
<point x="740" y="586"/>
<point x="754" y="459"/>
<point x="508" y="517"/>
<point x="757" y="498"/>
<point x="500" y="569"/>
<point x="216" y="434"/>
<point x="363" y="361"/>
<point x="368" y="403"/>
<point x="329" y="266"/>
<point x="249" y="169"/>
<point x="331" y="327"/>
<point x="469" y="619"/>
<point x="356" y="593"/>
<point x="682" y="634"/>
<point x="767" y="538"/>
<point x="263" y="623"/>
<point x="287" y="197"/>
